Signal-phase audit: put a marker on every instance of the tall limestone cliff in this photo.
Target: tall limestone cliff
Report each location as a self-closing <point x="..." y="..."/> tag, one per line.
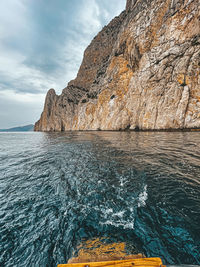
<point x="142" y="71"/>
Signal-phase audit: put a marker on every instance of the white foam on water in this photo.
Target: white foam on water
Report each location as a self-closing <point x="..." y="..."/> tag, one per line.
<point x="116" y="219"/>
<point x="131" y="209"/>
<point x="143" y="197"/>
<point x="125" y="225"/>
<point x="108" y="211"/>
<point x="119" y="214"/>
<point x="122" y="180"/>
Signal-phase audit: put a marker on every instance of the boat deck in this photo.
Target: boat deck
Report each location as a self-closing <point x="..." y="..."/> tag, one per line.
<point x="144" y="262"/>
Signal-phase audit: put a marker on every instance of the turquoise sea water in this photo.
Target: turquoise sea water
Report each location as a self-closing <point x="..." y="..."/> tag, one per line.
<point x="58" y="189"/>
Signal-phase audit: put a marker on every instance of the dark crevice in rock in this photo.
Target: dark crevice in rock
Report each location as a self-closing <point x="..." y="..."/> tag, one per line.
<point x="62" y="127"/>
<point x="127" y="127"/>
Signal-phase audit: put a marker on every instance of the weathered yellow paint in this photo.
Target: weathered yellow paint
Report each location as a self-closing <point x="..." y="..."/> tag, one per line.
<point x="145" y="262"/>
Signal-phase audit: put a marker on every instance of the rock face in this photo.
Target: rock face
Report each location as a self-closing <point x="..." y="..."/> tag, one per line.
<point x="142" y="71"/>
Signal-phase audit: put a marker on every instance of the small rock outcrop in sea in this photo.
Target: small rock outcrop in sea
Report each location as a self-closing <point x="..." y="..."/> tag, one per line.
<point x="142" y="71"/>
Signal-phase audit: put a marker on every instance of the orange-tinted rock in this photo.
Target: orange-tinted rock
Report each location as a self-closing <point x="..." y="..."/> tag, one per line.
<point x="142" y="71"/>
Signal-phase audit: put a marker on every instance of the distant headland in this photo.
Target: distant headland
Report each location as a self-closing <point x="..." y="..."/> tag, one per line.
<point x="26" y="128"/>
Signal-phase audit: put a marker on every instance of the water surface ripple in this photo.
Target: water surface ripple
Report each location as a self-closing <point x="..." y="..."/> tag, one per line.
<point x="58" y="189"/>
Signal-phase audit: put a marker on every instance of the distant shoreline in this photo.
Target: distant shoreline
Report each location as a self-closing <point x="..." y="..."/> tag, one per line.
<point x="26" y="128"/>
<point x="127" y="130"/>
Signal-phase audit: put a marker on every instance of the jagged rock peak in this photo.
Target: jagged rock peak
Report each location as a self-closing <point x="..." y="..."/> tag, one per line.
<point x="142" y="71"/>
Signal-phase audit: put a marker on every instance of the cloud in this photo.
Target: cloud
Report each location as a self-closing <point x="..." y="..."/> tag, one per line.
<point x="13" y="16"/>
<point x="20" y="97"/>
<point x="19" y="109"/>
<point x="15" y="75"/>
<point x="42" y="45"/>
<point x="90" y="23"/>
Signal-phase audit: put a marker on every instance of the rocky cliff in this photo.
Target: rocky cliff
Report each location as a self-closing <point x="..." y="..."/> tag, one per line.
<point x="142" y="71"/>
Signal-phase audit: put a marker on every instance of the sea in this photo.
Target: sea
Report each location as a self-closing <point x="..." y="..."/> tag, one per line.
<point x="60" y="189"/>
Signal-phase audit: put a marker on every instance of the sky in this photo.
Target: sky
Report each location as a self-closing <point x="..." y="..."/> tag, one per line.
<point x="41" y="47"/>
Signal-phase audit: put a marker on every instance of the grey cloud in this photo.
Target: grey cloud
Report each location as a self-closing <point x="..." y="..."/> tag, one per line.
<point x="15" y="113"/>
<point x="42" y="43"/>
